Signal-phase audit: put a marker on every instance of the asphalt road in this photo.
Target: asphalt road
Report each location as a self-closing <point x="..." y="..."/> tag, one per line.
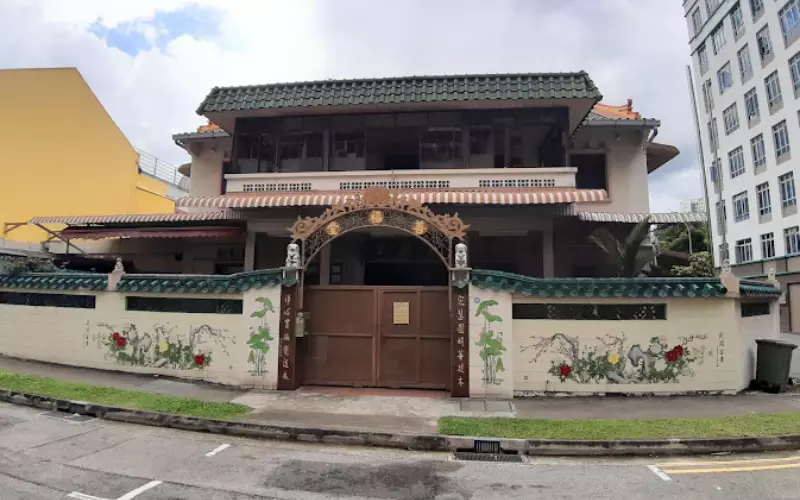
<point x="48" y="457"/>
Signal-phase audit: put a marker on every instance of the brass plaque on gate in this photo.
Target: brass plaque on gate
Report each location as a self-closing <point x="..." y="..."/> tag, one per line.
<point x="400" y="310"/>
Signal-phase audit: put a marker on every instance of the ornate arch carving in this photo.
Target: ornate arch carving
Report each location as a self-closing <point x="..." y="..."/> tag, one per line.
<point x="379" y="207"/>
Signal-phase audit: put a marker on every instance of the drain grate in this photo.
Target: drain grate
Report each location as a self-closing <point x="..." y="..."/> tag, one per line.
<point x="486" y="446"/>
<point x="487" y="457"/>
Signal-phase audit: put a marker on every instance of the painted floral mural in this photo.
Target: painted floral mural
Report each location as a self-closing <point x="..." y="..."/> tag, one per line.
<point x="614" y="360"/>
<point x="260" y="337"/>
<point x="491" y="342"/>
<point x="161" y="347"/>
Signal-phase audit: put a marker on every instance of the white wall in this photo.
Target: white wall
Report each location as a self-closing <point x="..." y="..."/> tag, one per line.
<point x="626" y="167"/>
<point x="90" y="338"/>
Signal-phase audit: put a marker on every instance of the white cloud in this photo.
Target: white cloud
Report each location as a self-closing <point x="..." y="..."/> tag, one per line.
<point x="630" y="48"/>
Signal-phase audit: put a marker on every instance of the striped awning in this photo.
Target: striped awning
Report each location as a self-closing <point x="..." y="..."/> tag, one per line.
<point x="655" y="218"/>
<point x="462" y="197"/>
<point x="170" y="232"/>
<point x="136" y="218"/>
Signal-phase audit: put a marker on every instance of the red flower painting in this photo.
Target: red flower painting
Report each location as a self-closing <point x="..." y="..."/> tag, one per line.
<point x="565" y="370"/>
<point x="115" y="336"/>
<point x="199" y="359"/>
<point x="678" y="349"/>
<point x="672" y="356"/>
<point x="121" y="341"/>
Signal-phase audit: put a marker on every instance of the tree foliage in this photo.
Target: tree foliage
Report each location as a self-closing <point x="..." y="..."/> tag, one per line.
<point x="700" y="265"/>
<point x="14" y="266"/>
<point x="621" y="256"/>
<point x="676" y="238"/>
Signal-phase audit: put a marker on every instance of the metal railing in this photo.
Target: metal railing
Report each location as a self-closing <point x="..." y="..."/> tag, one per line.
<point x="162" y="170"/>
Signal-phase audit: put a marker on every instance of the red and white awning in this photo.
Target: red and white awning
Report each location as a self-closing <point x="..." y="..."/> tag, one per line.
<point x="461" y="197"/>
<point x="655" y="218"/>
<point x="137" y="218"/>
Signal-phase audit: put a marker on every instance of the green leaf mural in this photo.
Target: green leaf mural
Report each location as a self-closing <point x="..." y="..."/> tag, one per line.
<point x="490" y="342"/>
<point x="260" y="337"/>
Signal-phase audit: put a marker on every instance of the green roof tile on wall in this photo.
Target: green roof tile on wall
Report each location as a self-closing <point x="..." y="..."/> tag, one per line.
<point x="56" y="281"/>
<point x="424" y="89"/>
<point x="234" y="283"/>
<point x="597" y="287"/>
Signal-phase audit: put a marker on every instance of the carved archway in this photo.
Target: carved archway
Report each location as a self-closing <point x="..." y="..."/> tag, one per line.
<point x="378" y="207"/>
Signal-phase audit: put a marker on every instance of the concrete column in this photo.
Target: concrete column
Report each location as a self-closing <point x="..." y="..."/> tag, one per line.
<point x="325" y="265"/>
<point x="548" y="253"/>
<point x="250" y="251"/>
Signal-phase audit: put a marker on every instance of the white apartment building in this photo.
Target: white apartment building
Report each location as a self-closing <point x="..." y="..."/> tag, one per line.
<point x="746" y="79"/>
<point x="695" y="205"/>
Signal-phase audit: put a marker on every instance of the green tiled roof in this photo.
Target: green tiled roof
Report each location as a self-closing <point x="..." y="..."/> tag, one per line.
<point x="598" y="287"/>
<point x="758" y="289"/>
<point x="233" y="283"/>
<point x="402" y="90"/>
<point x="56" y="281"/>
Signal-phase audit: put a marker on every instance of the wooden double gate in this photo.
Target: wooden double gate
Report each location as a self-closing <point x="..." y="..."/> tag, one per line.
<point x="366" y="336"/>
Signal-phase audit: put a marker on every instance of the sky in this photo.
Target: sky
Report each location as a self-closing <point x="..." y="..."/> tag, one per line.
<point x="152" y="62"/>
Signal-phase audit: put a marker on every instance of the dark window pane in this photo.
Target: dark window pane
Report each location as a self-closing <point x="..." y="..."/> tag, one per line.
<point x="590" y="311"/>
<point x="48" y="300"/>
<point x="183" y="305"/>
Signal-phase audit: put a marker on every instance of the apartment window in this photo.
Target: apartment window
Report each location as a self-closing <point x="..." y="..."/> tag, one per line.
<point x="791" y="239"/>
<point x="744" y="250"/>
<point x="730" y="119"/>
<point x="773" y="86"/>
<point x="780" y="135"/>
<point x="718" y="38"/>
<point x="763" y="200"/>
<point x="737" y="20"/>
<point x="702" y="58"/>
<point x="751" y="104"/>
<point x="697" y="21"/>
<point x="711" y="6"/>
<point x="790" y="19"/>
<point x="713" y="133"/>
<point x="767" y="245"/>
<point x="764" y="43"/>
<point x="715" y="171"/>
<point x="741" y="207"/>
<point x="724" y="78"/>
<point x="722" y="216"/>
<point x="794" y="69"/>
<point x="724" y="256"/>
<point x="788" y="194"/>
<point x="758" y="150"/>
<point x="708" y="96"/>
<point x="736" y="162"/>
<point x="756" y="8"/>
<point x="745" y="66"/>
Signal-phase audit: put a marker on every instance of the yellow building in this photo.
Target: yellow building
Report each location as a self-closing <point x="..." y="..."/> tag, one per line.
<point x="61" y="153"/>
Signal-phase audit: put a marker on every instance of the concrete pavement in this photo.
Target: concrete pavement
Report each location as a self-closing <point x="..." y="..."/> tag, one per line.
<point x="46" y="457"/>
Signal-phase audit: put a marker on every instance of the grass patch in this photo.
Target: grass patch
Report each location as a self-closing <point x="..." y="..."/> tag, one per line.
<point x="767" y="424"/>
<point x="124" y="398"/>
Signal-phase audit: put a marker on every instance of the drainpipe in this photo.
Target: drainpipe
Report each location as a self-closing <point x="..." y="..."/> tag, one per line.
<point x="701" y="160"/>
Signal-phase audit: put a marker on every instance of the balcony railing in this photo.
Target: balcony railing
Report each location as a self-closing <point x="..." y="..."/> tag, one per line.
<point x="555" y="177"/>
<point x="162" y="170"/>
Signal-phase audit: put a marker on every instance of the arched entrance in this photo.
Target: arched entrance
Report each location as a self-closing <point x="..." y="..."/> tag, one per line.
<point x="376" y="335"/>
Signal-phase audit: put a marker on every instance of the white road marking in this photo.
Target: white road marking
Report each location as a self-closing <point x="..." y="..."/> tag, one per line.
<point x="127" y="496"/>
<point x="81" y="496"/>
<point x="140" y="489"/>
<point x="658" y="472"/>
<point x="217" y="450"/>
